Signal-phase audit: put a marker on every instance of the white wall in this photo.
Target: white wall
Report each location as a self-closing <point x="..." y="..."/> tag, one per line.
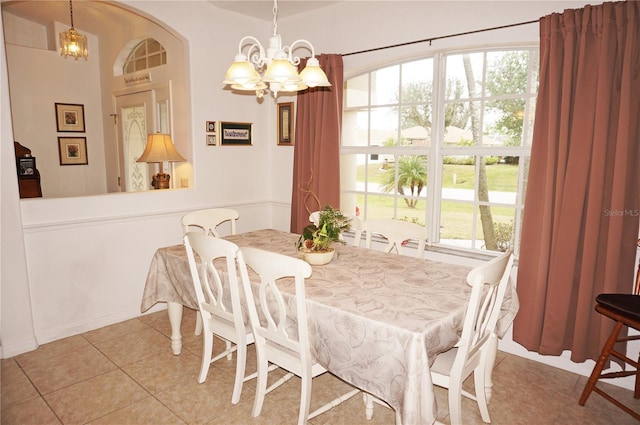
<point x="16" y="324"/>
<point x="32" y="104"/>
<point x="87" y="257"/>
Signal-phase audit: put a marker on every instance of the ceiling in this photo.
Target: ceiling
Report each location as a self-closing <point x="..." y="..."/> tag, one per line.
<point x="263" y="9"/>
<point x="87" y="16"/>
<point x="91" y="16"/>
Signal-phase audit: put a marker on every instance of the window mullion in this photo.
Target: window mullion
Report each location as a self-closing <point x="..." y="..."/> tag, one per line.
<point x="434" y="191"/>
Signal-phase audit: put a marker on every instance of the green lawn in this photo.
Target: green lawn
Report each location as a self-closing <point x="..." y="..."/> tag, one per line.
<point x="455" y="216"/>
<point x="501" y="177"/>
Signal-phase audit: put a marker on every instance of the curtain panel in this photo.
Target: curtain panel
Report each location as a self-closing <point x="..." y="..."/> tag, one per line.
<point x="316" y="162"/>
<point x="581" y="215"/>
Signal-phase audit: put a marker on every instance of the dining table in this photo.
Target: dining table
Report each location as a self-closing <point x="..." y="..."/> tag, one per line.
<point x="376" y="320"/>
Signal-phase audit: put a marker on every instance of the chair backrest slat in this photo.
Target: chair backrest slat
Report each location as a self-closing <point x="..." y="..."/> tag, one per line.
<point x="207" y="220"/>
<point x="489" y="283"/>
<point x="396" y="232"/>
<point x="278" y="309"/>
<point x="207" y="280"/>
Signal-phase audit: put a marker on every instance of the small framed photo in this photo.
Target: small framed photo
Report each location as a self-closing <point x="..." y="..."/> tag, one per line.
<point x="70" y="117"/>
<point x="72" y="150"/>
<point x="285" y="124"/>
<point x="27" y="166"/>
<point x="236" y="134"/>
<point x="211" y="126"/>
<point x="211" y="140"/>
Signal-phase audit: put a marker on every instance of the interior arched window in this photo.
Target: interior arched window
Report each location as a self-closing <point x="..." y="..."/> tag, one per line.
<point x="147" y="54"/>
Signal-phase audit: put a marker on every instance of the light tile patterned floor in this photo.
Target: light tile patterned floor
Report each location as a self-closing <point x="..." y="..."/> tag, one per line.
<point x="126" y="374"/>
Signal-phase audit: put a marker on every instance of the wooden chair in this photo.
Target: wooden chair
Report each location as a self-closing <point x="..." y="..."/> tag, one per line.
<point x="207" y="220"/>
<point x="274" y="342"/>
<point x="396" y="232"/>
<point x="624" y="309"/>
<point x="473" y="352"/>
<point x="219" y="308"/>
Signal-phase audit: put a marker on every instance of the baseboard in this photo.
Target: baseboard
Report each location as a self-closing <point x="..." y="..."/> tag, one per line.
<point x="17" y="347"/>
<point x="54" y="334"/>
<point x="563" y="362"/>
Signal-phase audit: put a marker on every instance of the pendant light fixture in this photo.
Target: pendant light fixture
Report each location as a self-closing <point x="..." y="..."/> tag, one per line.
<point x="72" y="43"/>
<point x="280" y="66"/>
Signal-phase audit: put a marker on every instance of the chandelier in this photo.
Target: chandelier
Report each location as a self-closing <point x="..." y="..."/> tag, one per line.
<point x="72" y="43"/>
<point x="281" y="74"/>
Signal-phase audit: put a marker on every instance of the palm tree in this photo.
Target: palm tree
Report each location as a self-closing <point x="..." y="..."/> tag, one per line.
<point x="412" y="175"/>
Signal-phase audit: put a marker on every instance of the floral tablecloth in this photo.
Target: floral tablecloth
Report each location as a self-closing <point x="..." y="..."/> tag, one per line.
<point x="377" y="320"/>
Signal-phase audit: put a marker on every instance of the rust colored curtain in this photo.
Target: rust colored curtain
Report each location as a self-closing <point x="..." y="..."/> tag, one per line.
<point x="316" y="163"/>
<point x="581" y="210"/>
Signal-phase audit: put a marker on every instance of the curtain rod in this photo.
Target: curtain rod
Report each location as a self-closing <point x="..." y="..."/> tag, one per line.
<point x="439" y="38"/>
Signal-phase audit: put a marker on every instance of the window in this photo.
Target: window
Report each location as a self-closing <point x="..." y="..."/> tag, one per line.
<point x="147" y="54"/>
<point x="443" y="141"/>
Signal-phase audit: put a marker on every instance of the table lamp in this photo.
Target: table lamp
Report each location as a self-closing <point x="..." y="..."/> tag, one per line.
<point x="160" y="149"/>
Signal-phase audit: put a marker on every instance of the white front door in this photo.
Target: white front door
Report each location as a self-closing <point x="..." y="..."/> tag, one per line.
<point x="136" y="120"/>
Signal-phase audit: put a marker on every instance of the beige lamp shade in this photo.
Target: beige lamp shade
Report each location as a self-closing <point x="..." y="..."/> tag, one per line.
<point x="313" y="76"/>
<point x="241" y="72"/>
<point x="159" y="149"/>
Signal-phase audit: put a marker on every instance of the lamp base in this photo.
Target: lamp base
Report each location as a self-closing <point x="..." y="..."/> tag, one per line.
<point x="160" y="181"/>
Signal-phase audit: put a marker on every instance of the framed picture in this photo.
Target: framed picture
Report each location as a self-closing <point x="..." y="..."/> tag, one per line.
<point x="236" y="133"/>
<point x="211" y="140"/>
<point x="27" y="166"/>
<point x="211" y="126"/>
<point x="72" y="150"/>
<point x="70" y="117"/>
<point x="285" y="124"/>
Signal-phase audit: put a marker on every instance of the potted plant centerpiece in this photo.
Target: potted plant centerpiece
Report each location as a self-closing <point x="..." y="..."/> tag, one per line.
<point x="315" y="242"/>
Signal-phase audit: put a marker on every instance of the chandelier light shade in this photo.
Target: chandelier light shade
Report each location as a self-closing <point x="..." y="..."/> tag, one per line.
<point x="159" y="149"/>
<point x="72" y="43"/>
<point x="278" y="64"/>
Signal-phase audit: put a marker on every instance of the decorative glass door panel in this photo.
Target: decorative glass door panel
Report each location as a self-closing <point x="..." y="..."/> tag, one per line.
<point x="136" y="122"/>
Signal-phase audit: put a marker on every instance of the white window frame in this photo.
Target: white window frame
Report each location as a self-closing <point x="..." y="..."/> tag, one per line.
<point x="436" y="151"/>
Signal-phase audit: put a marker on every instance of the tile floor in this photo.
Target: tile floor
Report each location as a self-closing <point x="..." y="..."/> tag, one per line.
<point x="126" y="374"/>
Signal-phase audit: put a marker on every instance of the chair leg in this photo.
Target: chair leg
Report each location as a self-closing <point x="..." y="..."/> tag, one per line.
<point x="241" y="361"/>
<point x="599" y="366"/>
<point x="207" y="348"/>
<point x="636" y="391"/>
<point x="368" y="405"/>
<point x="490" y="360"/>
<point x="305" y="398"/>
<point x="198" y="329"/>
<point x="261" y="382"/>
<point x="455" y="402"/>
<point x="479" y="380"/>
<point x="227" y="348"/>
<point x="369" y="402"/>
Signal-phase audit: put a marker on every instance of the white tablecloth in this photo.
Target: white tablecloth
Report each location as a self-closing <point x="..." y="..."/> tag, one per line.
<point x="377" y="320"/>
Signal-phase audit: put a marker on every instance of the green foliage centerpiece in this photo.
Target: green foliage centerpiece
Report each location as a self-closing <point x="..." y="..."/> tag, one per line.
<point x="316" y="239"/>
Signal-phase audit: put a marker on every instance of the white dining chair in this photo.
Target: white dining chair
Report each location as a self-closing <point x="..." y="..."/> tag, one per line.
<point x="208" y="220"/>
<point x="473" y="353"/>
<point x="314" y="218"/>
<point x="450" y="369"/>
<point x="396" y="232"/>
<point x="274" y="342"/>
<point x="219" y="305"/>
